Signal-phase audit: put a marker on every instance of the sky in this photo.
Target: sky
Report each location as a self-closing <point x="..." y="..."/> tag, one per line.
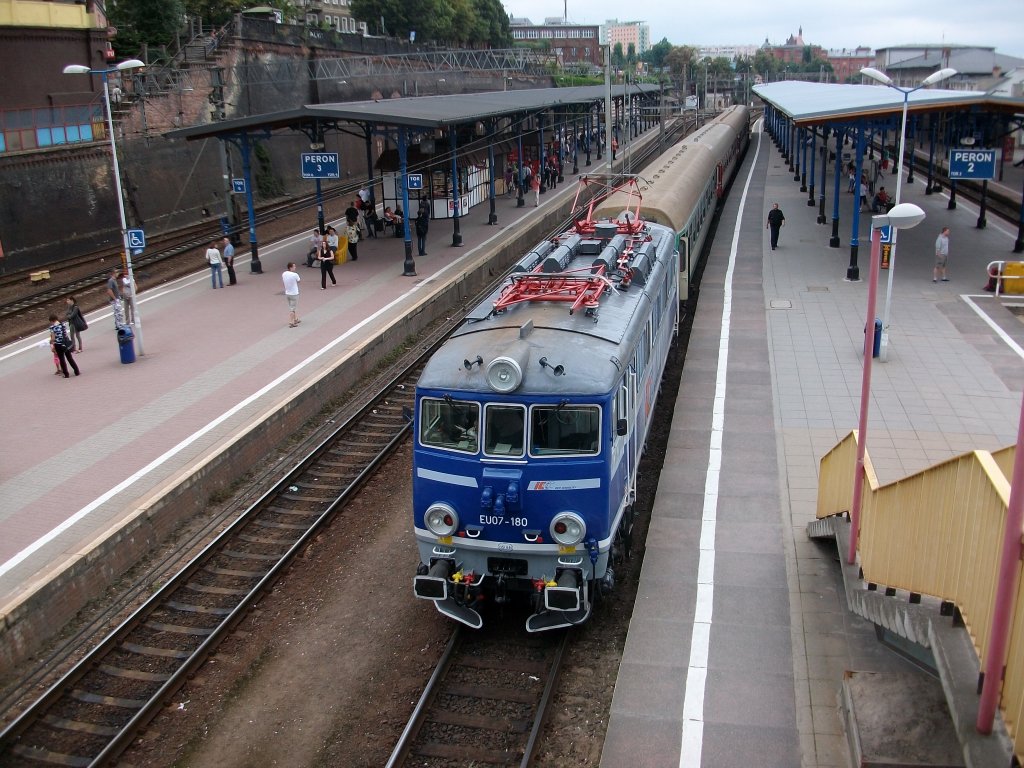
<point x="830" y="24"/>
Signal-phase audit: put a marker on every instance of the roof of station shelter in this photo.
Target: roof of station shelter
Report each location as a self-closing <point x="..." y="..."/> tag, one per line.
<point x="426" y="112"/>
<point x="815" y="103"/>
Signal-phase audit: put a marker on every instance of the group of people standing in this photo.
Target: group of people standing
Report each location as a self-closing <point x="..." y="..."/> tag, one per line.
<point x="218" y="260"/>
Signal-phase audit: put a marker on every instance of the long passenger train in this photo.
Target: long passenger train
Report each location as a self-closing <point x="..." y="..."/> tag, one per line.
<point x="531" y="419"/>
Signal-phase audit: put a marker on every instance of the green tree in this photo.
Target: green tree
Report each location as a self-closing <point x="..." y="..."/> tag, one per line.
<point x="655" y="55"/>
<point x="145" y="22"/>
<point x="680" y="60"/>
<point x="214" y="12"/>
<point x="494" y="23"/>
<point x="618" y="59"/>
<point x="631" y="53"/>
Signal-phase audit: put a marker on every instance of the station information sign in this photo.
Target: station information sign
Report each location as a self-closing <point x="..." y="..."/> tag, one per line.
<point x="320" y="165"/>
<point x="972" y="164"/>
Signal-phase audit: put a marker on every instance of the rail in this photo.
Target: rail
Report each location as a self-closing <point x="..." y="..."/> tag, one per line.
<point x="495" y="671"/>
<point x="939" y="532"/>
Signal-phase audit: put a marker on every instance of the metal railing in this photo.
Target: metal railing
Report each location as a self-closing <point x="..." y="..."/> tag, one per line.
<point x="939" y="532"/>
<point x="998" y="271"/>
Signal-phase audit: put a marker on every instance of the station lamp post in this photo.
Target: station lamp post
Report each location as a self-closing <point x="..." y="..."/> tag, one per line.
<point x="881" y="77"/>
<point x="903" y="216"/>
<point x="80" y="69"/>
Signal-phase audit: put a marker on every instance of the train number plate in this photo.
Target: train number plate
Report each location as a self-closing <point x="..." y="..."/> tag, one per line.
<point x="444" y="540"/>
<point x="564" y="550"/>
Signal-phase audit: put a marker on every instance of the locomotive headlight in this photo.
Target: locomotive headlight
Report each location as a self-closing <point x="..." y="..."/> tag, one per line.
<point x="441" y="519"/>
<point x="504" y="375"/>
<point x="568" y="528"/>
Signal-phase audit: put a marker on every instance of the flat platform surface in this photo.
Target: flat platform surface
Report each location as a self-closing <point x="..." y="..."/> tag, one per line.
<point x="741" y="635"/>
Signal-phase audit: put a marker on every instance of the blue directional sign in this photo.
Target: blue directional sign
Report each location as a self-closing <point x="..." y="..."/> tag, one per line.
<point x="415" y="181"/>
<point x="972" y="163"/>
<point x="320" y="165"/>
<point x="136" y="238"/>
<point x="238" y="186"/>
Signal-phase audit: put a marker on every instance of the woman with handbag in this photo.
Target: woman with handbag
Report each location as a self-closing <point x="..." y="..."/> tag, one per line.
<point x="352" y="233"/>
<point x="60" y="343"/>
<point x="326" y="258"/>
<point x="76" y="322"/>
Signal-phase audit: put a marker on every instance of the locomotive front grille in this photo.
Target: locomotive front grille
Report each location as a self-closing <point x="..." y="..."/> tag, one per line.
<point x="507" y="566"/>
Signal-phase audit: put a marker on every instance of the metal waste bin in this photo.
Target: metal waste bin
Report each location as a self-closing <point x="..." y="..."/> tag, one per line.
<point x="876" y="347"/>
<point x="126" y="345"/>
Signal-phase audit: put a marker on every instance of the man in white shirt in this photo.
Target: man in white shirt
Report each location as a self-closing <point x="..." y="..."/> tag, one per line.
<point x="941" y="256"/>
<point x="291" y="281"/>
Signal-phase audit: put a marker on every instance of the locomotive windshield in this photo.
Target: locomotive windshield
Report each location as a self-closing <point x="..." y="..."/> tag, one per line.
<point x="564" y="429"/>
<point x="505" y="430"/>
<point x="452" y="424"/>
<point x="554" y="430"/>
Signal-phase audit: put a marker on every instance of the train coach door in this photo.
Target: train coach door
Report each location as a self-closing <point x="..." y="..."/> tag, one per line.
<point x="623" y="449"/>
<point x="684" y="267"/>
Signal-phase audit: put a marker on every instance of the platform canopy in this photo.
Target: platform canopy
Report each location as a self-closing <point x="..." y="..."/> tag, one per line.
<point x="422" y="112"/>
<point x="817" y="103"/>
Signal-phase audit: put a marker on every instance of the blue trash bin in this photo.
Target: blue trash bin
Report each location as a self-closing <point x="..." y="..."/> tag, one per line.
<point x="126" y="345"/>
<point x="876" y="347"/>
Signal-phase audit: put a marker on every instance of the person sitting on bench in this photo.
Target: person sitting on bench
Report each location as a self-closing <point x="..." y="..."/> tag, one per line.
<point x="881" y="202"/>
<point x="394" y="220"/>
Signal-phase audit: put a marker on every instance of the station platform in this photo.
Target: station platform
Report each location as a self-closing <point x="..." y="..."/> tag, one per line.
<point x="741" y="635"/>
<point x="86" y="462"/>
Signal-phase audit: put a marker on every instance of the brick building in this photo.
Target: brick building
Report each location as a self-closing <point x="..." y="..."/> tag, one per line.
<point x="571" y="43"/>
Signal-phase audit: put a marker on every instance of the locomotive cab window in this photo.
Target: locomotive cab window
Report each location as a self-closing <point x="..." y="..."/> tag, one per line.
<point x="451" y="424"/>
<point x="505" y="430"/>
<point x="565" y="430"/>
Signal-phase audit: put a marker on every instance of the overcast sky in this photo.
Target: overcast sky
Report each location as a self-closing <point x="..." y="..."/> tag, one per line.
<point x="873" y="23"/>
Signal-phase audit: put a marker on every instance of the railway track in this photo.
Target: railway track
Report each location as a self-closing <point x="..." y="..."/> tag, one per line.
<point x="161" y="248"/>
<point x="96" y="710"/>
<point x="486" y="701"/>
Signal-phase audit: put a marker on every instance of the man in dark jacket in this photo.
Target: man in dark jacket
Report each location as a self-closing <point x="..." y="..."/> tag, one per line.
<point x="776" y="221"/>
<point x="422" y="224"/>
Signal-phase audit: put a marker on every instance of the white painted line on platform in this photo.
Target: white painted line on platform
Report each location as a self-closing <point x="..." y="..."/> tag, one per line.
<point x="969" y="300"/>
<point x="700" y="640"/>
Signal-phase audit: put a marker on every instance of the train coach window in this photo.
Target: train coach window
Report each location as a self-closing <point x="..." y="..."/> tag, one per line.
<point x="504" y="428"/>
<point x="565" y="430"/>
<point x="451" y="424"/>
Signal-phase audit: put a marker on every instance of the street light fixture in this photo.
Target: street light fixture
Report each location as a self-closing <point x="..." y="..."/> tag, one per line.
<point x="881" y="77"/>
<point x="79" y="69"/>
<point x="902" y="216"/>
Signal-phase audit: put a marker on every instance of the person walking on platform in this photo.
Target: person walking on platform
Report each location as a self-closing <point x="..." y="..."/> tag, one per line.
<point x="327" y="255"/>
<point x="776" y="221"/>
<point x="535" y="186"/>
<point x="941" y="256"/>
<point x="422" y="225"/>
<point x="60" y="343"/>
<point x="291" y="281"/>
<point x="229" y="260"/>
<point x="215" y="262"/>
<point x="352" y="232"/>
<point x="76" y="321"/>
<point x="114" y="294"/>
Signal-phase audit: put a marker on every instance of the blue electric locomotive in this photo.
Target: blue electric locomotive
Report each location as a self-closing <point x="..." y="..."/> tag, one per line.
<point x="531" y="419"/>
<point x="530" y="422"/>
